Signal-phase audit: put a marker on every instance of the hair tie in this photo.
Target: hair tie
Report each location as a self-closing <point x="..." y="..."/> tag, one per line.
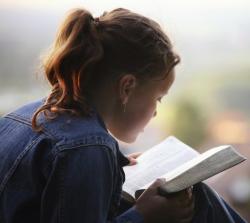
<point x="96" y="21"/>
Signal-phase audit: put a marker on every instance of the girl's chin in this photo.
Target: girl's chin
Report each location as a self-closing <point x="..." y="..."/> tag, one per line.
<point x="131" y="138"/>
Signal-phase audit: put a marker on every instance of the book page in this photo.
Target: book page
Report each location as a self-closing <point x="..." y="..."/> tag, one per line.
<point x="191" y="163"/>
<point x="156" y="162"/>
<point x="200" y="168"/>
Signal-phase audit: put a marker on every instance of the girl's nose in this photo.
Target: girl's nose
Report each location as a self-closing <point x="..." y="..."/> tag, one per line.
<point x="155" y="113"/>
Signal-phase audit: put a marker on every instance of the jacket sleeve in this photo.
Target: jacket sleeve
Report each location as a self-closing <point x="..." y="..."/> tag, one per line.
<point x="80" y="188"/>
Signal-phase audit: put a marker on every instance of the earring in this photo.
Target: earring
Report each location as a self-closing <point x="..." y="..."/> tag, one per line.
<point x="124" y="107"/>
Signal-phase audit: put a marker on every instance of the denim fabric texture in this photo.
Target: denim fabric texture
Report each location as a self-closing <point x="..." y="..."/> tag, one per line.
<point x="69" y="172"/>
<point x="211" y="208"/>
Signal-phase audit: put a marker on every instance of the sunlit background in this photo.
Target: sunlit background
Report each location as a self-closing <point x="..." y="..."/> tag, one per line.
<point x="208" y="105"/>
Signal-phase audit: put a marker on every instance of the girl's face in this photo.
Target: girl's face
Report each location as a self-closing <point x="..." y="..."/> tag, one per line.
<point x="141" y="107"/>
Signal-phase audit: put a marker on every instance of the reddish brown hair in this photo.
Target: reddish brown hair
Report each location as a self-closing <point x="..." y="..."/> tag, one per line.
<point x="88" y="51"/>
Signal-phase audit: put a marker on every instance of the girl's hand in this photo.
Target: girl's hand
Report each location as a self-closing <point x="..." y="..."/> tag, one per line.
<point x="175" y="208"/>
<point x="132" y="158"/>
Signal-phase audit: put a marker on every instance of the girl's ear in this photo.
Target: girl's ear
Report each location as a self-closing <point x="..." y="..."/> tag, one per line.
<point x="126" y="85"/>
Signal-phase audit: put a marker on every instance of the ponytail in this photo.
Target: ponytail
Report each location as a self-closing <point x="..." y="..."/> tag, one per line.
<point x="68" y="67"/>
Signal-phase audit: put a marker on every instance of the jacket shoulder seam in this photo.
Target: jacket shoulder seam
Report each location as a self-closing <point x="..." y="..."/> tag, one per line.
<point x="26" y="122"/>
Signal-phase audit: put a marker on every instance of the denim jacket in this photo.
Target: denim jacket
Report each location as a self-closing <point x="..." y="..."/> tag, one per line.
<point x="69" y="172"/>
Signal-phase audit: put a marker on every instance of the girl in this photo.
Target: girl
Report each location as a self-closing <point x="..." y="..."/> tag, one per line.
<point x="59" y="161"/>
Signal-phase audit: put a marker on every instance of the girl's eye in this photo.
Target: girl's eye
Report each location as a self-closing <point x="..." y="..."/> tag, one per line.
<point x="159" y="99"/>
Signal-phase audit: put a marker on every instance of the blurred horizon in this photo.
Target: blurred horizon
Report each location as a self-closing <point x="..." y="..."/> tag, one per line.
<point x="222" y="37"/>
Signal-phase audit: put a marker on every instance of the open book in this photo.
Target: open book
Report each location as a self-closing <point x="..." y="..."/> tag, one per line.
<point x="179" y="164"/>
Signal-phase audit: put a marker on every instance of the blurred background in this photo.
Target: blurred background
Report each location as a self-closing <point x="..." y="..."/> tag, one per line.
<point x="209" y="103"/>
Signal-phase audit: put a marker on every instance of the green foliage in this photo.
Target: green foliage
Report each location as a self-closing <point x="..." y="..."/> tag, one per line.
<point x="188" y="122"/>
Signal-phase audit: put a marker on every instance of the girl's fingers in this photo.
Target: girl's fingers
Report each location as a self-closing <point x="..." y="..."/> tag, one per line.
<point x="132" y="158"/>
<point x="132" y="161"/>
<point x="135" y="155"/>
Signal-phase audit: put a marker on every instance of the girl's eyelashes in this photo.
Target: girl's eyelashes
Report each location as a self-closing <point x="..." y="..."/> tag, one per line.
<point x="160" y="98"/>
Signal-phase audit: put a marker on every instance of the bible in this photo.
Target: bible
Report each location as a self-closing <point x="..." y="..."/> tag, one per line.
<point x="180" y="165"/>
